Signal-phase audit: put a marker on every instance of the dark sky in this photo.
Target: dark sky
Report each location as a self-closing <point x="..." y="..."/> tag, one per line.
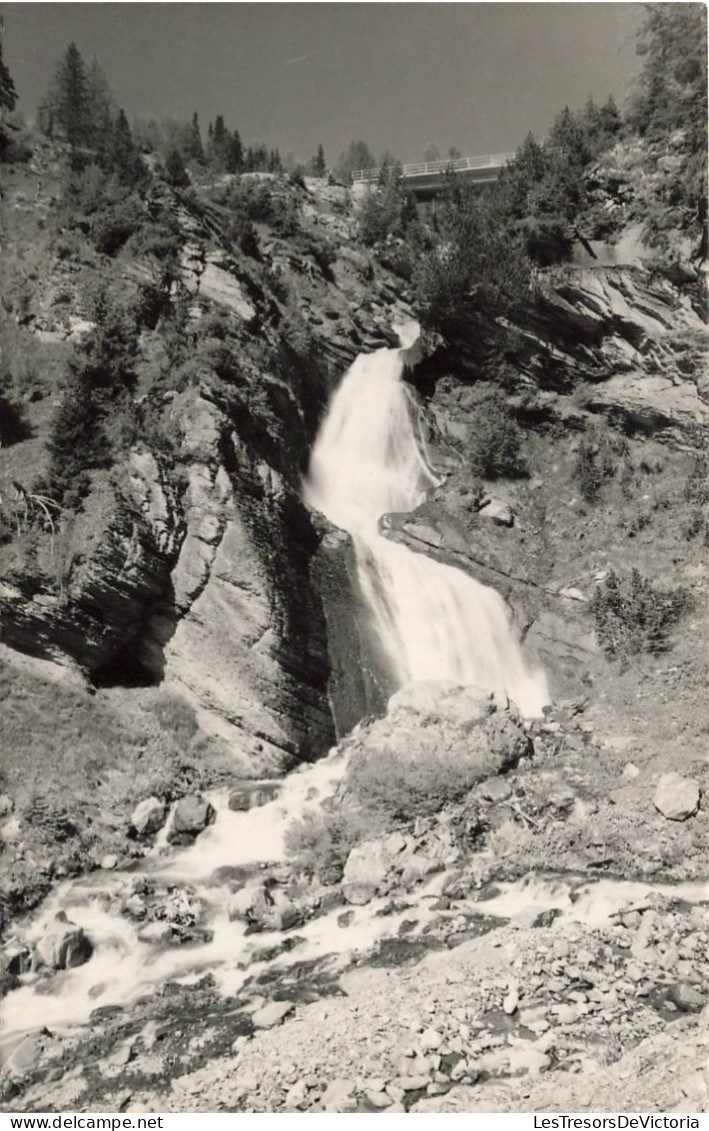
<point x="399" y="76"/>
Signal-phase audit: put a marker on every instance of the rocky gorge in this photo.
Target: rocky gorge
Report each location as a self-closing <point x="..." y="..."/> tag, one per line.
<point x="543" y="932"/>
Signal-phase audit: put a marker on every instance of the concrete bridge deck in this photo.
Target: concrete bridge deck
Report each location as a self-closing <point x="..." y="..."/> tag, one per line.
<point x="425" y="178"/>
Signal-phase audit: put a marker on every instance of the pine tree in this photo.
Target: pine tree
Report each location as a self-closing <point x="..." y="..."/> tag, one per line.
<point x="102" y="374"/>
<point x="175" y="171"/>
<point x="101" y="106"/>
<point x="358" y="156"/>
<point x="196" y="149"/>
<point x="609" y="116"/>
<point x="235" y="154"/>
<point x="69" y="99"/>
<point x="8" y="94"/>
<point x="220" y="145"/>
<point x="319" y="166"/>
<point x="123" y="155"/>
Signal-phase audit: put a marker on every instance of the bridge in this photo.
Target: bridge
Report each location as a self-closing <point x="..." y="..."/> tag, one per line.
<point x="426" y="178"/>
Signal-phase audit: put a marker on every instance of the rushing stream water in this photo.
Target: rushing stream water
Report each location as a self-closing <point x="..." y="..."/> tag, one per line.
<point x="434" y="622"/>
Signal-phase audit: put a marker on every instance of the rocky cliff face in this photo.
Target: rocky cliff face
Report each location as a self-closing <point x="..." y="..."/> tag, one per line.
<point x="199" y="567"/>
<point x="202" y="568"/>
<point x="618" y="344"/>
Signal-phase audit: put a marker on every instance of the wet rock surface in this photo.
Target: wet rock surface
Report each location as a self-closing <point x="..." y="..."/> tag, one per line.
<point x="148" y="816"/>
<point x="520" y="1016"/>
<point x="190" y="818"/>
<point x="62" y="946"/>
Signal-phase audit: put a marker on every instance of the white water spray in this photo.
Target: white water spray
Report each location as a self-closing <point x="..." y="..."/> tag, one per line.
<point x="434" y="621"/>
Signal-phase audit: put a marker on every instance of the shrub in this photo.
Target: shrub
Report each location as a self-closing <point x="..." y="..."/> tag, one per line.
<point x="13" y="426"/>
<point x="497" y="442"/>
<point x="320" y="249"/>
<point x="387" y="210"/>
<point x="598" y="460"/>
<point x="696" y="489"/>
<point x="320" y="842"/>
<point x="265" y="204"/>
<point x="175" y="171"/>
<point x="588" y="472"/>
<point x="241" y="232"/>
<point x="477" y="263"/>
<point x="432" y="771"/>
<point x="633" y="616"/>
<point x="101" y="376"/>
<point x="114" y="226"/>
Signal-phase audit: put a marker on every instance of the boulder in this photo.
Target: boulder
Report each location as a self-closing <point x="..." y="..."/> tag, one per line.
<point x="367" y="865"/>
<point x="339" y="1097"/>
<point x="651" y="401"/>
<point x="687" y="998"/>
<point x="677" y="798"/>
<point x="272" y="1014"/>
<point x="192" y="815"/>
<point x="148" y="816"/>
<point x="443" y="699"/>
<point x="15" y="959"/>
<point x="498" y="511"/>
<point x="26" y="1055"/>
<point x="358" y="894"/>
<point x="264" y="909"/>
<point x="252" y="795"/>
<point x="6" y="805"/>
<point x="62" y="946"/>
<point x="496" y="790"/>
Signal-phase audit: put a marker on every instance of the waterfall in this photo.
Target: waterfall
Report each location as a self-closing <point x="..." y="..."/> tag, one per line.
<point x="434" y="622"/>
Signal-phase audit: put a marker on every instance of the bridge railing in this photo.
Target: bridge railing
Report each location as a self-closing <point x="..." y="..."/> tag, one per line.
<point x="433" y="168"/>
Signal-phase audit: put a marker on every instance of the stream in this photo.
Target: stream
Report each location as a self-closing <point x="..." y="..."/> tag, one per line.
<point x="433" y="622"/>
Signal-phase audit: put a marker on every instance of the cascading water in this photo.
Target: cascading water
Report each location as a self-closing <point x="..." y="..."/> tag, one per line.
<point x="433" y="621"/>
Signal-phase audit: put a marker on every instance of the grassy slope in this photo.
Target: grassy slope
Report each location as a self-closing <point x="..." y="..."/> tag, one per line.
<point x="75" y="764"/>
<point x="649" y="710"/>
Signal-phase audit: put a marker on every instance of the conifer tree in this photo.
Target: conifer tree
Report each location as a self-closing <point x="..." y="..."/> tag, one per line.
<point x="124" y="158"/>
<point x="319" y="166"/>
<point x="235" y="154"/>
<point x="101" y="106"/>
<point x="101" y="374"/>
<point x="69" y="99"/>
<point x="196" y="149"/>
<point x="221" y="144"/>
<point x="175" y="171"/>
<point x="8" y="94"/>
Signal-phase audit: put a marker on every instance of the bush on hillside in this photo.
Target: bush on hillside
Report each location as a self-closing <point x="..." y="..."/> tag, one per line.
<point x="401" y="785"/>
<point x="496" y="442"/>
<point x="599" y="456"/>
<point x="320" y="842"/>
<point x="670" y="106"/>
<point x="475" y="264"/>
<point x="387" y="210"/>
<point x="115" y="225"/>
<point x="633" y="616"/>
<point x="264" y="202"/>
<point x="13" y="426"/>
<point x="241" y="232"/>
<point x="100" y="379"/>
